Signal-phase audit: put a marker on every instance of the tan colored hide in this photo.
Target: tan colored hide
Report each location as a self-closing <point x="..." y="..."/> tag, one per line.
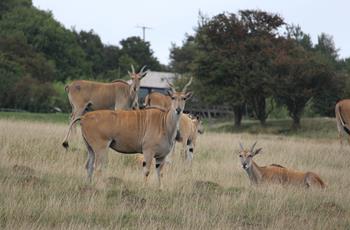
<point x="158" y="100"/>
<point x="342" y="115"/>
<point x="276" y="173"/>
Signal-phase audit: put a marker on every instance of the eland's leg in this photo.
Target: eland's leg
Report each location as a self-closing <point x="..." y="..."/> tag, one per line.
<point x="340" y="132"/>
<point x="190" y="149"/>
<point x="168" y="158"/>
<point x="184" y="150"/>
<point x="146" y="165"/>
<point x="90" y="163"/>
<point x="159" y="166"/>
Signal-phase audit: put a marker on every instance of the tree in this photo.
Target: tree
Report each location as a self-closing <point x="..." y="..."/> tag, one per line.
<point x="140" y="51"/>
<point x="234" y="59"/>
<point x="181" y="58"/>
<point x="259" y="52"/>
<point x="331" y="91"/>
<point x="93" y="48"/>
<point x="49" y="37"/>
<point x="217" y="62"/>
<point x="299" y="76"/>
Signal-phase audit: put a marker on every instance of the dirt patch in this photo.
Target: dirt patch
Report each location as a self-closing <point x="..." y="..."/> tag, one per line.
<point x="132" y="199"/>
<point x="23" y="170"/>
<point x="234" y="191"/>
<point x="87" y="190"/>
<point x="29" y="180"/>
<point x="330" y="208"/>
<point x="207" y="186"/>
<point x="125" y="196"/>
<point x="114" y="181"/>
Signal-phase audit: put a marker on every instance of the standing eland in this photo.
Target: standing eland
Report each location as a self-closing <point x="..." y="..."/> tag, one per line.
<point x="150" y="131"/>
<point x="342" y="116"/>
<point x="90" y="95"/>
<point x="156" y="99"/>
<point x="189" y="126"/>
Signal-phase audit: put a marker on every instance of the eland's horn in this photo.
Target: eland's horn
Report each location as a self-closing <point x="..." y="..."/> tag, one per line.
<point x="132" y="69"/>
<point x="171" y="85"/>
<point x="188" y="84"/>
<point x="253" y="146"/>
<point x="141" y="71"/>
<point x="240" y="144"/>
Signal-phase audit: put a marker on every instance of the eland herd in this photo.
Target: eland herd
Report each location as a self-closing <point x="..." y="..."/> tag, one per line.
<point x="110" y="117"/>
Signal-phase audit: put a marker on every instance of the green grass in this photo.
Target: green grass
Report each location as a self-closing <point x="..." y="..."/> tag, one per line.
<point x="310" y="127"/>
<point x="42" y="117"/>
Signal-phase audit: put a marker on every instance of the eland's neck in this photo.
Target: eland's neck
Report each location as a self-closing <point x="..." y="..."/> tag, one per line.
<point x="172" y="123"/>
<point x="133" y="97"/>
<point x="254" y="173"/>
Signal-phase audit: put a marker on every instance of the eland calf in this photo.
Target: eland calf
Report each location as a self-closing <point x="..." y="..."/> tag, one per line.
<point x="275" y="173"/>
<point x="150" y="132"/>
<point x="187" y="135"/>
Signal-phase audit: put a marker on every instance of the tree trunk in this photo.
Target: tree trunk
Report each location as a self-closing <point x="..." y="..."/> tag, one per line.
<point x="259" y="107"/>
<point x="296" y="122"/>
<point x="238" y="111"/>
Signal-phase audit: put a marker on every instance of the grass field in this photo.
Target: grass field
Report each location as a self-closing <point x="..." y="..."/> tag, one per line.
<point x="44" y="187"/>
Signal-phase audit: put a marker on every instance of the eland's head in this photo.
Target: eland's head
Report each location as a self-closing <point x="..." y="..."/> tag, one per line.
<point x="246" y="155"/>
<point x="198" y="124"/>
<point x="136" y="78"/>
<point x="178" y="99"/>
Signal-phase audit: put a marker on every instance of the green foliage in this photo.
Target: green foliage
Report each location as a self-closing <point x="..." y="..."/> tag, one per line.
<point x="234" y="59"/>
<point x="60" y="98"/>
<point x="47" y="36"/>
<point x="140" y="51"/>
<point x="299" y="76"/>
<point x="37" y="54"/>
<point x="181" y="58"/>
<point x="240" y="60"/>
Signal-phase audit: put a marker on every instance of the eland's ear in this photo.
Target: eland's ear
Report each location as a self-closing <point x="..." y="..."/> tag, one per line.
<point x="257" y="151"/>
<point x="188" y="95"/>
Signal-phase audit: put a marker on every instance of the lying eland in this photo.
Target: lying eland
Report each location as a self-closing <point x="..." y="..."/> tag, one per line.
<point x="150" y="131"/>
<point x="275" y="173"/>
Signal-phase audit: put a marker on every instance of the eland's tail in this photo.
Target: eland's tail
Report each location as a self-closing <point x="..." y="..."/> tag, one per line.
<point x="65" y="140"/>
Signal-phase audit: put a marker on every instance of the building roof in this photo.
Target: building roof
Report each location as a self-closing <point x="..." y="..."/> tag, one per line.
<point x="155" y="79"/>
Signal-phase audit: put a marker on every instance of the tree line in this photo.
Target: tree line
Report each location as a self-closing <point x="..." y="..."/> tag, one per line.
<point x="38" y="56"/>
<point x="254" y="61"/>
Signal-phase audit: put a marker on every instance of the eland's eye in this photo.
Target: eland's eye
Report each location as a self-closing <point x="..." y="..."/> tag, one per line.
<point x="240" y="155"/>
<point x="172" y="98"/>
<point x="250" y="156"/>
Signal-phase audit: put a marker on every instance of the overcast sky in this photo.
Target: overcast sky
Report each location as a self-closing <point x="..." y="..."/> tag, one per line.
<point x="169" y="20"/>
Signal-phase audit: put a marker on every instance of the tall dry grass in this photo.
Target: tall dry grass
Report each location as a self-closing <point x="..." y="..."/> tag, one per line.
<point x="42" y="186"/>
